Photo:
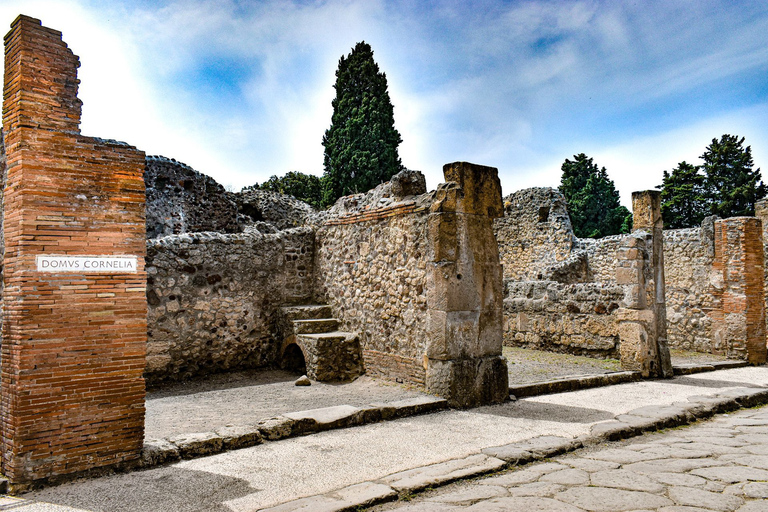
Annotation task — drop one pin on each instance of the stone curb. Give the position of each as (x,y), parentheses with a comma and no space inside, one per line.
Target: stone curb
(573,384)
(688,369)
(199,444)
(635,422)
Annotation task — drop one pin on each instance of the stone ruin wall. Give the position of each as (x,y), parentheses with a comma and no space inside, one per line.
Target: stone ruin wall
(560,292)
(370,261)
(688,259)
(563,300)
(213,299)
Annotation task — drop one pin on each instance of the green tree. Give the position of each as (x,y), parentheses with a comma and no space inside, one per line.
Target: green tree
(683,197)
(304,187)
(732,187)
(361,144)
(592,198)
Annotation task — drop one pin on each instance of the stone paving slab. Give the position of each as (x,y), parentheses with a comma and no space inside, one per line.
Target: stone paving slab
(639,475)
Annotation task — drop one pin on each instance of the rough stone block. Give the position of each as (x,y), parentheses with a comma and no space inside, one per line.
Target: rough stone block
(234,437)
(481,188)
(195,445)
(469,382)
(159,451)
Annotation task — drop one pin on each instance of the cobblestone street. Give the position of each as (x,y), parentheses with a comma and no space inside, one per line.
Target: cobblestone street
(719,465)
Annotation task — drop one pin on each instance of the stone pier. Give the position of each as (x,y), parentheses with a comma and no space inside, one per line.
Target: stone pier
(640,271)
(465,290)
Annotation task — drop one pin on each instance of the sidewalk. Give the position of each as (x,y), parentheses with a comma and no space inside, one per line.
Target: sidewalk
(272,473)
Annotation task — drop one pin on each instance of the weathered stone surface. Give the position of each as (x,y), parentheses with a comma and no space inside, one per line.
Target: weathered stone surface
(627,480)
(364,494)
(511,453)
(542,489)
(546,446)
(239,436)
(195,445)
(264,206)
(700,498)
(567,477)
(276,428)
(602,499)
(441,473)
(159,451)
(328,417)
(303,381)
(590,465)
(523,503)
(524,476)
(482,492)
(411,406)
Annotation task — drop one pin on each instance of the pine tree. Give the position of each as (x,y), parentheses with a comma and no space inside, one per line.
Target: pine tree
(361,144)
(592,198)
(683,198)
(732,187)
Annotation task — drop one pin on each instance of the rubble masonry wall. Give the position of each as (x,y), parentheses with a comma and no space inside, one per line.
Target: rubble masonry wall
(371,268)
(213,299)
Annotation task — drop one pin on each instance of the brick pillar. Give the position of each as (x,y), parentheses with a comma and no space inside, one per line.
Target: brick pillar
(74,308)
(464,289)
(740,260)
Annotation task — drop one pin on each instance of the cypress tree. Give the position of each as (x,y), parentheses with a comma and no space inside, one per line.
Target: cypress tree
(592,198)
(361,143)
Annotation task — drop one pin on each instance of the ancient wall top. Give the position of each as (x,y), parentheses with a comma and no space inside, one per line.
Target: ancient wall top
(32,98)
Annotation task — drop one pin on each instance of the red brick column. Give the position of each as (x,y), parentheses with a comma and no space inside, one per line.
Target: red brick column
(739,259)
(73,346)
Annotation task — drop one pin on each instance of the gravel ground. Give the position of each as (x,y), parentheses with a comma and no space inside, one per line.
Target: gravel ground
(244,398)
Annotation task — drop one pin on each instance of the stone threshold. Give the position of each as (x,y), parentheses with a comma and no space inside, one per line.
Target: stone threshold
(688,369)
(563,384)
(293,424)
(500,458)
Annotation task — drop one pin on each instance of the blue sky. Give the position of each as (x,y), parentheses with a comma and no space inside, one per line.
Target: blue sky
(241,90)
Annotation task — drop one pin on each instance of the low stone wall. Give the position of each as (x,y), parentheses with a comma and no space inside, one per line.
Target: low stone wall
(573,318)
(213,299)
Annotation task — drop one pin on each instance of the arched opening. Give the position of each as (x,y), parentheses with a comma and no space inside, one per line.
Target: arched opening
(293,360)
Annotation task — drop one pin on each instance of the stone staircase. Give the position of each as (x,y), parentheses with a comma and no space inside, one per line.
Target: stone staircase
(329,354)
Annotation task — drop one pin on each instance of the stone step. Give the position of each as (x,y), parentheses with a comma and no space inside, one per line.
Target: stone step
(315,326)
(307,312)
(330,336)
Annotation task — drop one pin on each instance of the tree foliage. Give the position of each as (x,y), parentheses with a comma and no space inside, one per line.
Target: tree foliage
(593,201)
(725,185)
(361,143)
(304,187)
(732,187)
(683,201)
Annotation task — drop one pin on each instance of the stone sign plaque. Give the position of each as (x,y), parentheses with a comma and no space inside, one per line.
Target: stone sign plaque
(81,264)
